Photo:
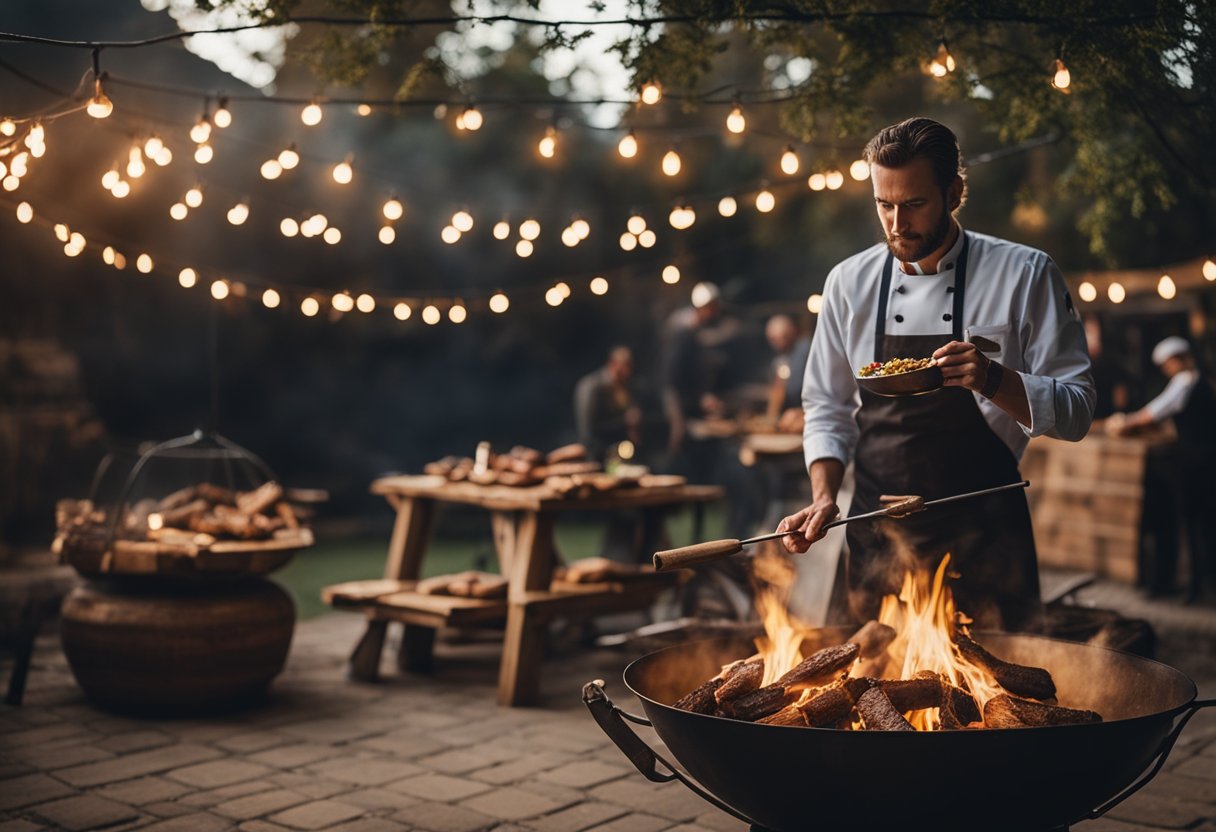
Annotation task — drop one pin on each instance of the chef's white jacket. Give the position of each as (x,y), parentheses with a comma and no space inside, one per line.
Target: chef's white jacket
(1014,296)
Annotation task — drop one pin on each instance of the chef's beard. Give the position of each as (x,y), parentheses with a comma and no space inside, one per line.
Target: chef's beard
(916,248)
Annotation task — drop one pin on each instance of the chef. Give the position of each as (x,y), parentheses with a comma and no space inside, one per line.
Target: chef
(997,318)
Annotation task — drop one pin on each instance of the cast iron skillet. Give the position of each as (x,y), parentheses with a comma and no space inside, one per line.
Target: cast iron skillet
(914,383)
(788,779)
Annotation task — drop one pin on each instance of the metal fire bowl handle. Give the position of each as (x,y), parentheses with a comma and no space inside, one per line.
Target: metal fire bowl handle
(1167,745)
(611,720)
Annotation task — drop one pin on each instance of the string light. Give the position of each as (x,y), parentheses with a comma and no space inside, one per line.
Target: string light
(524,248)
(332,236)
(647,238)
(499,303)
(1062,77)
(163,156)
(121,189)
(1116,292)
(554,296)
(25,212)
(817,181)
(502,230)
(201,131)
(238,213)
(1087,292)
(153,146)
(219,289)
(1166,287)
(599,286)
(271,299)
(120,262)
(462,221)
(393,209)
(289,227)
(343,302)
(271,169)
(470,120)
(61,232)
(222,117)
(107,255)
(765,201)
(860,170)
(628,242)
(178,211)
(365,303)
(289,157)
(387,235)
(529,229)
(402,311)
(110,178)
(652,92)
(671,275)
(735,122)
(671,162)
(834,179)
(1209,269)
(343,172)
(547,146)
(789,161)
(681,217)
(431,315)
(727,206)
(310,307)
(311,115)
(203,153)
(450,234)
(457,313)
(194,197)
(628,146)
(143,264)
(570,237)
(7,127)
(364,110)
(100,105)
(581,227)
(636,224)
(943,61)
(135,163)
(814,304)
(187,278)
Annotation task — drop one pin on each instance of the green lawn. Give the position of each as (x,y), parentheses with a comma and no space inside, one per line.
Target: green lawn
(350,558)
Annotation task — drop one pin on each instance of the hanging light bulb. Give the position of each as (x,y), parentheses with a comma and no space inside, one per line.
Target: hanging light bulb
(636,224)
(271,169)
(364,110)
(194,197)
(332,235)
(671,162)
(61,232)
(110,178)
(219,289)
(789,161)
(343,172)
(178,211)
(834,179)
(1209,269)
(814,304)
(402,311)
(387,235)
(471,118)
(581,227)
(289,157)
(628,242)
(1062,77)
(18,167)
(25,212)
(599,286)
(860,170)
(187,278)
(8,127)
(120,261)
(547,146)
(735,122)
(765,201)
(681,217)
(393,209)
(100,105)
(727,206)
(163,157)
(143,264)
(647,238)
(817,181)
(11,183)
(222,117)
(289,227)
(135,163)
(499,303)
(457,313)
(238,213)
(943,61)
(462,221)
(529,229)
(365,303)
(153,146)
(431,314)
(502,230)
(563,287)
(554,296)
(1087,292)
(1116,292)
(311,115)
(671,275)
(343,302)
(570,237)
(628,146)
(450,234)
(201,131)
(652,92)
(203,153)
(271,299)
(121,189)
(310,307)
(1166,287)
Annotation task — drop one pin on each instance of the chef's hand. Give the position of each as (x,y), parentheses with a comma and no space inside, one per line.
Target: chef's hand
(807,525)
(962,365)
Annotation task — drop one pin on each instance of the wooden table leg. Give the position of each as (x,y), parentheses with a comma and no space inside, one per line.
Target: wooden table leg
(417,653)
(365,661)
(411,532)
(524,642)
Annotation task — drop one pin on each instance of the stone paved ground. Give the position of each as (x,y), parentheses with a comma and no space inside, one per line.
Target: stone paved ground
(411,753)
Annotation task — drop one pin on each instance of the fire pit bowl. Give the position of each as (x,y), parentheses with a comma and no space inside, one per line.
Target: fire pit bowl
(785,778)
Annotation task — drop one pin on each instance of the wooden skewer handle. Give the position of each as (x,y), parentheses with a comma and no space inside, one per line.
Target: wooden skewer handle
(697,553)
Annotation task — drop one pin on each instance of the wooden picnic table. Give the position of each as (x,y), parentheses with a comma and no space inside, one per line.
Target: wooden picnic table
(522,522)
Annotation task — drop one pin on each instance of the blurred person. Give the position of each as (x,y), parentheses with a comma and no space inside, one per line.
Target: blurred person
(1178,483)
(687,370)
(1110,379)
(790,351)
(605,409)
(998,320)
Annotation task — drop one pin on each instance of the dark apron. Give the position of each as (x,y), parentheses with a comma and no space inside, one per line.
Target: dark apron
(936,445)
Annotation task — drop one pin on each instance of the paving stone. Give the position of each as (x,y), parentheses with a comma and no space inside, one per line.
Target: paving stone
(339,729)
(511,804)
(376,825)
(20,825)
(376,799)
(441,817)
(135,765)
(260,804)
(144,790)
(85,812)
(579,817)
(1161,812)
(169,809)
(652,798)
(1200,766)
(584,774)
(317,815)
(9,770)
(294,756)
(252,741)
(46,734)
(28,790)
(367,771)
(439,787)
(315,787)
(576,743)
(527,765)
(195,822)
(405,742)
(49,758)
(635,822)
(134,741)
(721,822)
(688,827)
(1106,825)
(261,826)
(219,773)
(464,760)
(211,797)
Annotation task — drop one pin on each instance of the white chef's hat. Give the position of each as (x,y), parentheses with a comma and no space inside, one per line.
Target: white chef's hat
(705,293)
(1169,348)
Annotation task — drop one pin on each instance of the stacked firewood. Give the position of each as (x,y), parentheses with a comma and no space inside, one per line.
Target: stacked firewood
(823,691)
(520,466)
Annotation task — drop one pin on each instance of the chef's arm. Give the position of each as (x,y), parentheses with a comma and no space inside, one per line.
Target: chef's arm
(1010,396)
(826,476)
(806,526)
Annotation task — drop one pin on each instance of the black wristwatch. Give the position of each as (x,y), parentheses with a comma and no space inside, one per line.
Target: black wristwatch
(992,381)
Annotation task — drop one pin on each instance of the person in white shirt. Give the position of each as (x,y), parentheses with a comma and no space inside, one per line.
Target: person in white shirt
(997,318)
(1173,356)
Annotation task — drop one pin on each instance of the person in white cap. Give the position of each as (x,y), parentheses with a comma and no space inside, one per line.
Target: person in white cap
(1173,356)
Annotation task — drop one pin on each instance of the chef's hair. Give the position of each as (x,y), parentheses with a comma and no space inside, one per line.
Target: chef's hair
(916,138)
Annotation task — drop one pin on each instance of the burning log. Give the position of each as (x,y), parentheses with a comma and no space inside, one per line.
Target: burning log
(873,639)
(701,700)
(791,716)
(923,691)
(757,704)
(1007,711)
(819,667)
(828,708)
(879,714)
(1034,682)
(962,704)
(740,680)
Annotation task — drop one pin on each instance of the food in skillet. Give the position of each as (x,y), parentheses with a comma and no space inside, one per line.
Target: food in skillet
(894,367)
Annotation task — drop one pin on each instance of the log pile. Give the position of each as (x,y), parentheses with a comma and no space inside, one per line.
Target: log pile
(830,689)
